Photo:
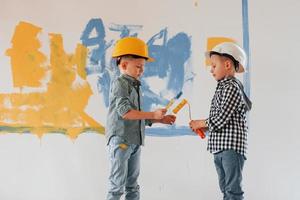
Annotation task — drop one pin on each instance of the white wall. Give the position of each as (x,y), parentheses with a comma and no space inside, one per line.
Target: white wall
(273,168)
(57,168)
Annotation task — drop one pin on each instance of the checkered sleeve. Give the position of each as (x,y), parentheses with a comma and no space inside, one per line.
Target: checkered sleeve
(230,100)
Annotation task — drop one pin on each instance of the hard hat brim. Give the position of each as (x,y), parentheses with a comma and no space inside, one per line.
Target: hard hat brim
(149,59)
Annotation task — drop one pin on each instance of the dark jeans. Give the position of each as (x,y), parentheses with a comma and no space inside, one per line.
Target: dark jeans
(229,165)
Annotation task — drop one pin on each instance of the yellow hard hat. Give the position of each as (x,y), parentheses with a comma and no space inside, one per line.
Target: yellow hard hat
(131,46)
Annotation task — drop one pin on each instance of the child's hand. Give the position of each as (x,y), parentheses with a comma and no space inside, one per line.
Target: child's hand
(168,119)
(159,113)
(197,124)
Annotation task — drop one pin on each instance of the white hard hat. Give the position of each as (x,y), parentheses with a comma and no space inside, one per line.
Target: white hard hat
(231,50)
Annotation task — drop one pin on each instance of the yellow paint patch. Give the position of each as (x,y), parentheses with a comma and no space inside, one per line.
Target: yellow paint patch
(123,146)
(26,60)
(212,42)
(80,60)
(61,107)
(73,133)
(39,131)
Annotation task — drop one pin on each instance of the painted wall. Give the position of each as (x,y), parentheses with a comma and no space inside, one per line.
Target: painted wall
(55,74)
(57,86)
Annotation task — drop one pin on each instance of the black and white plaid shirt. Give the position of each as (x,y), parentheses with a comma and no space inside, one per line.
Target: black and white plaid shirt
(227,119)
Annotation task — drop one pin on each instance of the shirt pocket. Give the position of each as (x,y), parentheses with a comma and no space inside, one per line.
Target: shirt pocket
(116,140)
(117,148)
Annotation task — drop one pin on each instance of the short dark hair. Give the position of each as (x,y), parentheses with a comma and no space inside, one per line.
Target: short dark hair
(118,60)
(235,62)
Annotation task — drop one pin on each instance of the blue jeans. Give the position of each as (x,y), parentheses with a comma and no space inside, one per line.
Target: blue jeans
(124,169)
(229,165)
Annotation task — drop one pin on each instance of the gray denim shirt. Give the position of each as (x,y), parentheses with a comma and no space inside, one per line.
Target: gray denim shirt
(125,95)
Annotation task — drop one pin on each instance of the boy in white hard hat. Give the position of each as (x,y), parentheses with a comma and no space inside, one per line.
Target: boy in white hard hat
(126,120)
(226,123)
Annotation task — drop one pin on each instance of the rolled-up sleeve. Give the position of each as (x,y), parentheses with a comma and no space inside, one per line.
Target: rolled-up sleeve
(123,106)
(121,94)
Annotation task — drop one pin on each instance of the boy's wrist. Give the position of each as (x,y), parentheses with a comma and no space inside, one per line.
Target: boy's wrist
(152,116)
(202,123)
(154,121)
(206,122)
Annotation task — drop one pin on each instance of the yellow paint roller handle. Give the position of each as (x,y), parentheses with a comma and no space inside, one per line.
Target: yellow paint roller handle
(179,106)
(170,104)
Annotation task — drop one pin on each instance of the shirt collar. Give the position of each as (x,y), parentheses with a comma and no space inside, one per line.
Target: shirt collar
(131,80)
(225,80)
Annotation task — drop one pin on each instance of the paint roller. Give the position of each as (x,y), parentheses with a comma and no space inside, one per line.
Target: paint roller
(179,107)
(173,100)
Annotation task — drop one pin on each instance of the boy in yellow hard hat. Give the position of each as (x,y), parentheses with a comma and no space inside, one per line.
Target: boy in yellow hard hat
(126,120)
(226,123)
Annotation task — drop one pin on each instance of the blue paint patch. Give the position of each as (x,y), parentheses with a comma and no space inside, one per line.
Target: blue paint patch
(246,46)
(170,57)
(179,51)
(169,131)
(96,59)
(126,30)
(98,53)
(159,53)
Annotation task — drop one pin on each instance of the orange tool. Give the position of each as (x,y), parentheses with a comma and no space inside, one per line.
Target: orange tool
(179,106)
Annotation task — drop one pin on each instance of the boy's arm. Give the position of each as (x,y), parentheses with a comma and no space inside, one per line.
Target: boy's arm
(125,108)
(136,114)
(167,119)
(231,99)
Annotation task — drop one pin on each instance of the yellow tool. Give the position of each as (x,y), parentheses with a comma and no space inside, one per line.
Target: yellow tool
(179,107)
(173,100)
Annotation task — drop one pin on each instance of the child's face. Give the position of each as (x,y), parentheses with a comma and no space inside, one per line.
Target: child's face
(133,67)
(218,67)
